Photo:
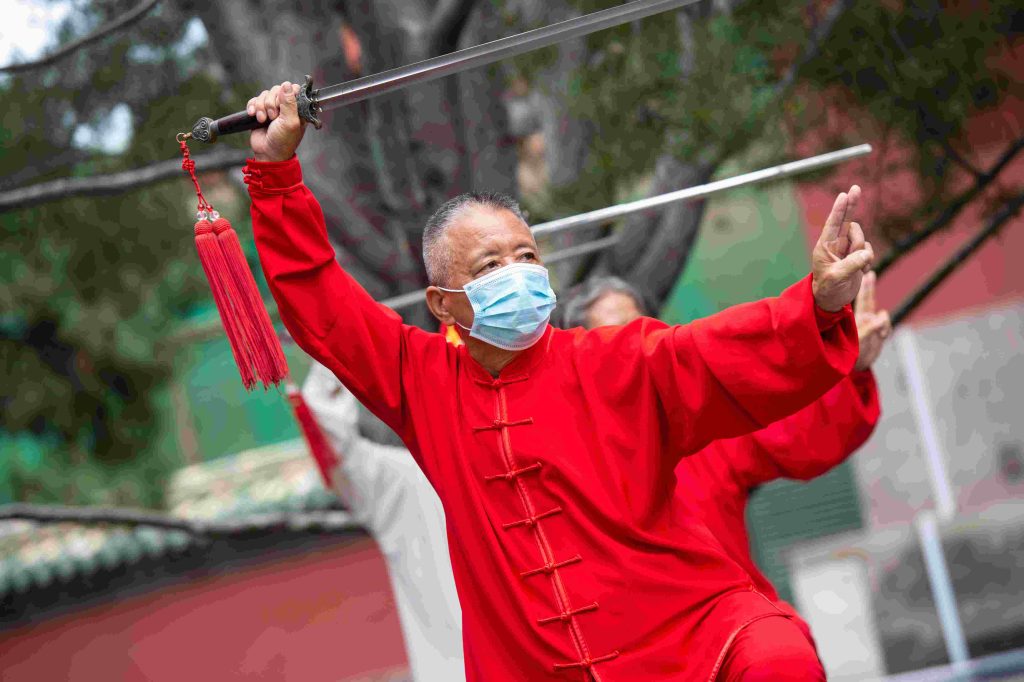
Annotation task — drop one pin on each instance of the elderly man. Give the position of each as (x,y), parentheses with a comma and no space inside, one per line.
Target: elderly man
(553,451)
(716,483)
(389,495)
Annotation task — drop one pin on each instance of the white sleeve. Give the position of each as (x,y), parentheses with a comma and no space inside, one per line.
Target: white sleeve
(387,493)
(371,479)
(336,410)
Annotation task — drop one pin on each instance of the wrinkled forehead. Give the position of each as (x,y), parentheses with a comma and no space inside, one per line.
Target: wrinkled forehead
(482,231)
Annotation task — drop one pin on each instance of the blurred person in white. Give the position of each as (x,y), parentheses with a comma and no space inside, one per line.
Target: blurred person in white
(387,493)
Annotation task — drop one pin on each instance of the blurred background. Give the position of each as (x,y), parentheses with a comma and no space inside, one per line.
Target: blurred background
(118,391)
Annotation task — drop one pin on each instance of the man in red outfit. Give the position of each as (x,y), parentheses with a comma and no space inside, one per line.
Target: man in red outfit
(553,451)
(715,484)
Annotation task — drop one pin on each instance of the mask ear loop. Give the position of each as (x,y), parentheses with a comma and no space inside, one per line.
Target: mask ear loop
(457,291)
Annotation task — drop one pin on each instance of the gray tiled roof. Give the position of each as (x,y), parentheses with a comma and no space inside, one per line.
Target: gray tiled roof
(271,489)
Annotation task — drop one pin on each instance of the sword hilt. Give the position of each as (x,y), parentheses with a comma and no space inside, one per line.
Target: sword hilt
(208,130)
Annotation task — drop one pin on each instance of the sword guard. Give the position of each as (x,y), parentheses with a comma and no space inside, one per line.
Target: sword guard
(309,107)
(208,130)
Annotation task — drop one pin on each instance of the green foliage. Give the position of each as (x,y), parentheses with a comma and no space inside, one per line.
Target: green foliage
(91,288)
(645,93)
(914,72)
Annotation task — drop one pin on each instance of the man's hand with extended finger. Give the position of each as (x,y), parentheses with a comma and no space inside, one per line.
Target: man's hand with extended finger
(841,256)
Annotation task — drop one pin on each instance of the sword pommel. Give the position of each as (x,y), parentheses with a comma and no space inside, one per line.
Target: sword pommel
(205,130)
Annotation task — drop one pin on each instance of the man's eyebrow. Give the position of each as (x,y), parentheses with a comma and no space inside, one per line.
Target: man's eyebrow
(489,253)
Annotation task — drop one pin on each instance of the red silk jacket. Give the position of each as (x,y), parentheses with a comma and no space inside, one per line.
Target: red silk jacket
(571,558)
(715,484)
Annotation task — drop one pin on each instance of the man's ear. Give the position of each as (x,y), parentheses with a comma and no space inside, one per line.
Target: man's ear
(436,303)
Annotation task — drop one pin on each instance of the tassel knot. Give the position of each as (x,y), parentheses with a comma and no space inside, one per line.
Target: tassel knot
(254,343)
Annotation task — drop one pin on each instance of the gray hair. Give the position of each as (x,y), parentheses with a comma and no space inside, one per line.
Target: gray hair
(436,258)
(582,296)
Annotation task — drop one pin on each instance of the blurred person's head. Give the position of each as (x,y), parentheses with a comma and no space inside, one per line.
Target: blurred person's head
(603,301)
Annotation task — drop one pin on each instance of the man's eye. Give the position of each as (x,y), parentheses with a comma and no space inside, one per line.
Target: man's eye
(529,255)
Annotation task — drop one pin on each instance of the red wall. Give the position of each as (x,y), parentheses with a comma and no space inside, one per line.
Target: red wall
(328,615)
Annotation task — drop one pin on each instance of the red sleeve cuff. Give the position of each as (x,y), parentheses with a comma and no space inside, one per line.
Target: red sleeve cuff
(272,177)
(864,377)
(864,383)
(867,390)
(826,320)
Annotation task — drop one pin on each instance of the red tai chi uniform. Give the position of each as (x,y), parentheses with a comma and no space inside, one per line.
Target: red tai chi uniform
(716,483)
(571,557)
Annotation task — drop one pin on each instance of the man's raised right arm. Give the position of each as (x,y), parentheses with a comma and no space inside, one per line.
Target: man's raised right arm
(328,314)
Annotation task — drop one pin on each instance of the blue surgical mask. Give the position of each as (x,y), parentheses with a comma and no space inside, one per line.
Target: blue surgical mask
(511,306)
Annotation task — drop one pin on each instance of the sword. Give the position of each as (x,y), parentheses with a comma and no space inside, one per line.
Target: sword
(312,101)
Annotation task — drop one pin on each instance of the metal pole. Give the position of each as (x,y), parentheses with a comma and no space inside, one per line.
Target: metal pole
(582,249)
(701,191)
(413,297)
(917,387)
(927,521)
(942,588)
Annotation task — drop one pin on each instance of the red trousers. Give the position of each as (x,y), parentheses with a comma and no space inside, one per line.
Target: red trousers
(772,649)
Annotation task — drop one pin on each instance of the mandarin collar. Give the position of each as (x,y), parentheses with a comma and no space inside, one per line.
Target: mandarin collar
(518,369)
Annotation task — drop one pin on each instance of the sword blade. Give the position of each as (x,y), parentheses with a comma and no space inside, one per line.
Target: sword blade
(359,89)
(311,101)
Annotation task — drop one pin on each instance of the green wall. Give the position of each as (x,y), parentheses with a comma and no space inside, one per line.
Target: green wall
(225,419)
(751,245)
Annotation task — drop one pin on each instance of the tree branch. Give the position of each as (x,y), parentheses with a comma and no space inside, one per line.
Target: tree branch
(957,158)
(819,33)
(446,22)
(908,243)
(928,118)
(106,29)
(65,158)
(116,183)
(323,520)
(957,259)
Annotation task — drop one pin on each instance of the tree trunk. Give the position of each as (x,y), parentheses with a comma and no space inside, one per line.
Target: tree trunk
(655,245)
(380,167)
